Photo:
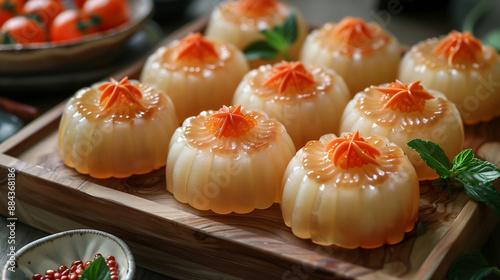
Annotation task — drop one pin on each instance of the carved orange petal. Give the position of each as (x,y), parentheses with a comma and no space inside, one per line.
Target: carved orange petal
(257,7)
(405,98)
(351,151)
(353,32)
(459,46)
(230,122)
(113,91)
(194,46)
(285,73)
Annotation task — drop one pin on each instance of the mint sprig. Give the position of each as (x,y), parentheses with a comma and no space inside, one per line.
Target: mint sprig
(97,270)
(471,266)
(473,174)
(278,41)
(477,12)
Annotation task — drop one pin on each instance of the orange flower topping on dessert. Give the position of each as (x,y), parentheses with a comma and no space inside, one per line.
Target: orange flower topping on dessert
(257,7)
(459,46)
(353,32)
(115,91)
(405,98)
(351,151)
(230,122)
(286,73)
(194,46)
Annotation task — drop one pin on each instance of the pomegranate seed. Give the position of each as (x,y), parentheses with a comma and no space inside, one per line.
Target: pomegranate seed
(111,263)
(76,270)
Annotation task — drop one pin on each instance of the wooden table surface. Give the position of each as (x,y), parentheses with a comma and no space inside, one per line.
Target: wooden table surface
(406,23)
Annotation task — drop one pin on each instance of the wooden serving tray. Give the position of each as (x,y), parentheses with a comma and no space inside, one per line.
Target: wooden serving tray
(174,239)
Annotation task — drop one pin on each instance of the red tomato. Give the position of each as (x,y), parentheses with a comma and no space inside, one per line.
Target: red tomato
(79,4)
(111,12)
(10,8)
(71,25)
(44,10)
(23,30)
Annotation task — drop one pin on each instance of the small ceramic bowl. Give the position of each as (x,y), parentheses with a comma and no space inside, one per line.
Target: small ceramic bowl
(63,248)
(95,51)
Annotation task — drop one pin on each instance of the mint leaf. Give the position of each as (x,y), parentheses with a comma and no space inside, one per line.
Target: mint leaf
(275,40)
(432,155)
(473,174)
(478,172)
(486,193)
(462,159)
(97,270)
(493,39)
(260,49)
(278,40)
(471,266)
(289,30)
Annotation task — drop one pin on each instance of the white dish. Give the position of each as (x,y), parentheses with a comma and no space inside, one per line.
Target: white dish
(63,248)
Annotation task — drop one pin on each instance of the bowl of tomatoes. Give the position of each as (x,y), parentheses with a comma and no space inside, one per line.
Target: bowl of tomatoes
(59,35)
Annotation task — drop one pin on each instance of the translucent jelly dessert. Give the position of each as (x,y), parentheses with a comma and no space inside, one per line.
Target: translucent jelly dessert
(116,129)
(197,73)
(362,53)
(351,192)
(462,68)
(240,23)
(402,112)
(307,99)
(230,160)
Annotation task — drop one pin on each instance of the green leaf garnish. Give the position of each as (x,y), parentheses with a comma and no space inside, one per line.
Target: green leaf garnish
(478,12)
(487,194)
(473,174)
(432,155)
(97,270)
(278,41)
(478,172)
(493,39)
(471,266)
(290,29)
(463,158)
(260,49)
